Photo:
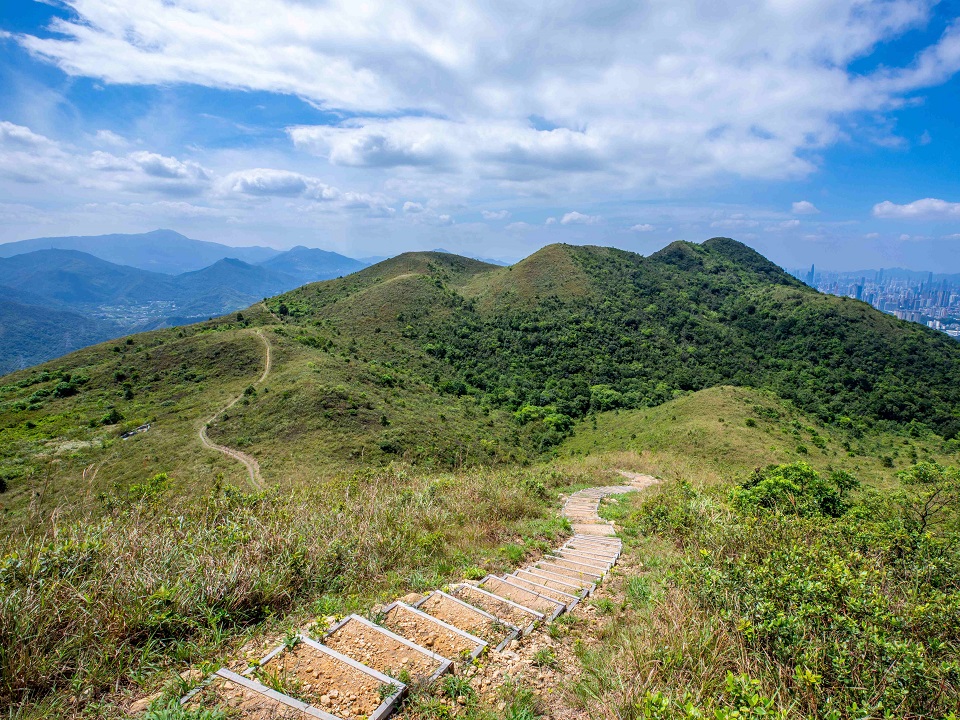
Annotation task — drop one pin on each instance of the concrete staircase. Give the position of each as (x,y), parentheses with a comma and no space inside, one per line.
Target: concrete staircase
(359,669)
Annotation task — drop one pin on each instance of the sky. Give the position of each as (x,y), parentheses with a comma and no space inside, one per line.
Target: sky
(816,131)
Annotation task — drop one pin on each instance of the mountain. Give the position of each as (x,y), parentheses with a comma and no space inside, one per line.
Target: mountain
(162,251)
(30,334)
(75,278)
(311,264)
(433,358)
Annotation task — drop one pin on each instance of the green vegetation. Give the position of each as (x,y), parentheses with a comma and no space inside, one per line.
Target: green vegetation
(400,433)
(791,594)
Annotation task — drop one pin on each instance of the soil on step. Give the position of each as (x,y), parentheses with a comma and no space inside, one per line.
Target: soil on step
(527,598)
(475,623)
(428,634)
(381,652)
(324,682)
(237,701)
(498,608)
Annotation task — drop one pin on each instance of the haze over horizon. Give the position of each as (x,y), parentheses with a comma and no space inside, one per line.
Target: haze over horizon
(815,132)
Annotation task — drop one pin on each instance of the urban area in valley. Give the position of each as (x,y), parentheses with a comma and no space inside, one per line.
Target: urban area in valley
(922,297)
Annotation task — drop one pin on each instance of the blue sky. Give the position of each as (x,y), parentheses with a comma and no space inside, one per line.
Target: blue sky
(818,131)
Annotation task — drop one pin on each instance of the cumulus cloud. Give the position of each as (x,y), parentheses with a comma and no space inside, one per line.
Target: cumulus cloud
(412,207)
(495,214)
(577,218)
(643,227)
(519,226)
(785,225)
(804,207)
(752,88)
(550,221)
(926,208)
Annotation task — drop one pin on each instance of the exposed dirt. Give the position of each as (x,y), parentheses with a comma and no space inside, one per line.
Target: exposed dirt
(253,467)
(428,634)
(239,702)
(527,598)
(548,588)
(497,608)
(474,622)
(381,652)
(576,565)
(583,579)
(324,682)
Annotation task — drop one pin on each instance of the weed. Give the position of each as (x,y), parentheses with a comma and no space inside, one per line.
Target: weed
(173,710)
(604,606)
(638,591)
(455,687)
(545,657)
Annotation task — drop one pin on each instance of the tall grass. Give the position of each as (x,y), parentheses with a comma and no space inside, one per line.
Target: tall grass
(156,581)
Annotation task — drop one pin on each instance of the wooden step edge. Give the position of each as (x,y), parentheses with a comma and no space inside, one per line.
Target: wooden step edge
(602,567)
(559,607)
(572,586)
(385,707)
(560,569)
(584,584)
(473,608)
(609,560)
(445,663)
(262,689)
(537,615)
(481,644)
(569,600)
(598,539)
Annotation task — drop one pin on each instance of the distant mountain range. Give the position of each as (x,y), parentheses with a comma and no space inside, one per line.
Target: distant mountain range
(61,294)
(163,251)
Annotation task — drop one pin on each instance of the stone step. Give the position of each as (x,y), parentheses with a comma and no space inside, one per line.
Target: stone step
(434,634)
(566,594)
(574,582)
(550,608)
(383,650)
(328,681)
(558,569)
(464,615)
(514,613)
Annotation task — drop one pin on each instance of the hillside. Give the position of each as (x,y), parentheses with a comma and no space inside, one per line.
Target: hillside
(435,359)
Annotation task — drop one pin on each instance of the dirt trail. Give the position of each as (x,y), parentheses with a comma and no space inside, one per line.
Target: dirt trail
(253,467)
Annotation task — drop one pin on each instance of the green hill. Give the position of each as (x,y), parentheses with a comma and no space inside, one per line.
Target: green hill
(436,359)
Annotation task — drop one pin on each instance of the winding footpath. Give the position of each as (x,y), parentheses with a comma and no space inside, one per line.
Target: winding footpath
(358,668)
(253,467)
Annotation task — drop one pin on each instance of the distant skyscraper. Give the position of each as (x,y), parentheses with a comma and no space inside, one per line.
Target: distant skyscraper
(811,276)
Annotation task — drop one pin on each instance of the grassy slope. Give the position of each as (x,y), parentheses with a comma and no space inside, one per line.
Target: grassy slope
(709,434)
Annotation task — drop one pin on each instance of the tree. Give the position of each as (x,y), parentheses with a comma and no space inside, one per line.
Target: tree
(932,496)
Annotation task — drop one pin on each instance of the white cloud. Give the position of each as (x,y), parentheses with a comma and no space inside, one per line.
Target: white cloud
(871,236)
(412,207)
(954,236)
(749,90)
(519,226)
(918,209)
(577,218)
(785,225)
(643,227)
(804,207)
(108,137)
(550,221)
(738,221)
(495,214)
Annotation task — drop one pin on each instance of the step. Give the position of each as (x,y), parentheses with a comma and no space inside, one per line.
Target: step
(545,587)
(432,633)
(249,699)
(329,681)
(596,529)
(614,541)
(578,565)
(466,616)
(558,569)
(383,650)
(563,586)
(588,557)
(587,548)
(546,575)
(540,603)
(514,613)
